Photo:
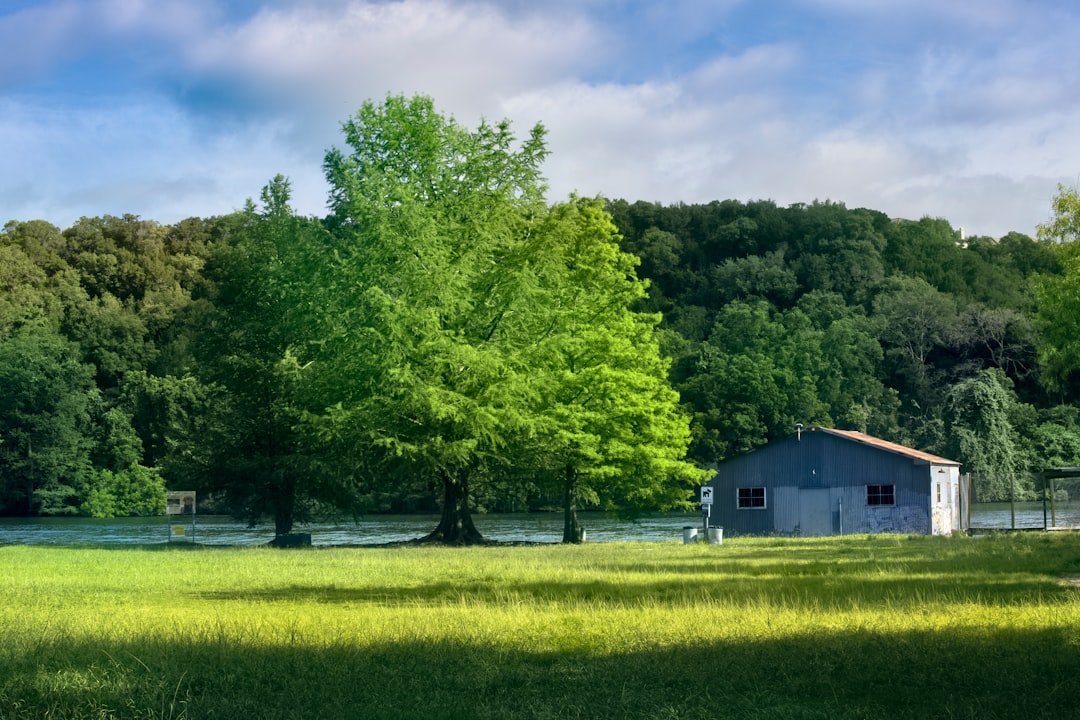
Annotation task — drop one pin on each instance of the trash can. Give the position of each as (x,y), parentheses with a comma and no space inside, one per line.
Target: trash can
(689,535)
(716,536)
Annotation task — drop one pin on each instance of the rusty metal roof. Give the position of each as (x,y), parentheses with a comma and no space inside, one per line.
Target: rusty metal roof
(886,445)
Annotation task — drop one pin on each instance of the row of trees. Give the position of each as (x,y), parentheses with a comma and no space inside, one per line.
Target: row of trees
(447,338)
(444,330)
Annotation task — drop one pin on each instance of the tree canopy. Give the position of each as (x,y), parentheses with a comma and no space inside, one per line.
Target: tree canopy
(448,339)
(463,309)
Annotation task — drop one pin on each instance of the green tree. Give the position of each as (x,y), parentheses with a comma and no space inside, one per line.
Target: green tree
(1058,299)
(259,350)
(35,281)
(836,249)
(1064,226)
(432,287)
(928,249)
(982,437)
(849,381)
(46,400)
(756,376)
(120,484)
(1049,437)
(612,426)
(997,337)
(767,277)
(915,321)
(483,333)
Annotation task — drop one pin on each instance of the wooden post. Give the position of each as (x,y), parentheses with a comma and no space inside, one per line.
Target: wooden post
(1012,500)
(1053,508)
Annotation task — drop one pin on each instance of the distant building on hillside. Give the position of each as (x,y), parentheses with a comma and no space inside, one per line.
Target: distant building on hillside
(821,481)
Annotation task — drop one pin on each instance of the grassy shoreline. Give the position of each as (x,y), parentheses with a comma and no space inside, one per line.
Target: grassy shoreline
(856,627)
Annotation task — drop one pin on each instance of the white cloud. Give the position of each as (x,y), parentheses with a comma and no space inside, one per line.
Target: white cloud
(468,56)
(141,157)
(39,39)
(970,115)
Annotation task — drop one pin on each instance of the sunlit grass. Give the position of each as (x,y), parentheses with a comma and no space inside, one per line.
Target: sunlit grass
(884,626)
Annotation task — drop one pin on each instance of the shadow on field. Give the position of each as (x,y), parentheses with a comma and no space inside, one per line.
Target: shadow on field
(807,592)
(986,674)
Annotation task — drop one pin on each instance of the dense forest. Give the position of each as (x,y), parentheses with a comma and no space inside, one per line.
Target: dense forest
(447,338)
(961,346)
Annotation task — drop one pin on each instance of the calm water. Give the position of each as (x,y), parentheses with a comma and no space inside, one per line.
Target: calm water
(377,529)
(994,516)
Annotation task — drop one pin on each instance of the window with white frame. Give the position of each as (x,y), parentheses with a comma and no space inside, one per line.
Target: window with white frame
(751,498)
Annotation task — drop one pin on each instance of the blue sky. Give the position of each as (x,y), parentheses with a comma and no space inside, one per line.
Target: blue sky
(166,109)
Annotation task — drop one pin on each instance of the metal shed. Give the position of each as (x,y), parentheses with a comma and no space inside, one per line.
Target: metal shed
(821,481)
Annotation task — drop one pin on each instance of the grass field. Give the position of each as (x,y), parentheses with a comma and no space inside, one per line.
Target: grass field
(856,627)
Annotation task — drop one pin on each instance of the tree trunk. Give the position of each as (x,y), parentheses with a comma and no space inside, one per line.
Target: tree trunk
(572,532)
(456,525)
(29,477)
(284,506)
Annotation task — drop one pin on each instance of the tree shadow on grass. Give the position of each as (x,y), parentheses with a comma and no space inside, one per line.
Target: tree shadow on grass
(966,673)
(808,591)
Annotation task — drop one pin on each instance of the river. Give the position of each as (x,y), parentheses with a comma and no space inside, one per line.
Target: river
(369,530)
(381,529)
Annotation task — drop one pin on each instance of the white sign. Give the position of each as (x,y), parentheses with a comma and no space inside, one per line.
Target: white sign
(706,494)
(180,502)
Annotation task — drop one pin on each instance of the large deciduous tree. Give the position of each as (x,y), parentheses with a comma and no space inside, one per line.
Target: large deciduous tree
(1058,299)
(47,397)
(755,377)
(612,426)
(258,351)
(432,222)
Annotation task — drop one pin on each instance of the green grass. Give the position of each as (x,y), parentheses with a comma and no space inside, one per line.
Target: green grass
(857,627)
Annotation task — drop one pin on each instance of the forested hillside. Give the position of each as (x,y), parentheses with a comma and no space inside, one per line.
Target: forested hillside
(446,337)
(903,329)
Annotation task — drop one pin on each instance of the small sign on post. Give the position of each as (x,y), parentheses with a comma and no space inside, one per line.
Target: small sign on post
(706,506)
(180,502)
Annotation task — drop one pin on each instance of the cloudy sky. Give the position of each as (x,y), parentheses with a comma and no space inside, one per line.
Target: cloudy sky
(166,109)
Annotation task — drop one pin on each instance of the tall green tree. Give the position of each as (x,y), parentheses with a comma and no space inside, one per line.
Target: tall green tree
(612,427)
(431,284)
(258,351)
(928,249)
(35,281)
(849,381)
(120,484)
(982,437)
(914,323)
(1058,299)
(836,249)
(47,398)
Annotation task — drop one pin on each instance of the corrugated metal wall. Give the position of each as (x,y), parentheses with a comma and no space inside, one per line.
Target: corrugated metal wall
(816,485)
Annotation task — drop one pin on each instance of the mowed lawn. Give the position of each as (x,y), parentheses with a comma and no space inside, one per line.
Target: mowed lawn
(854,627)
